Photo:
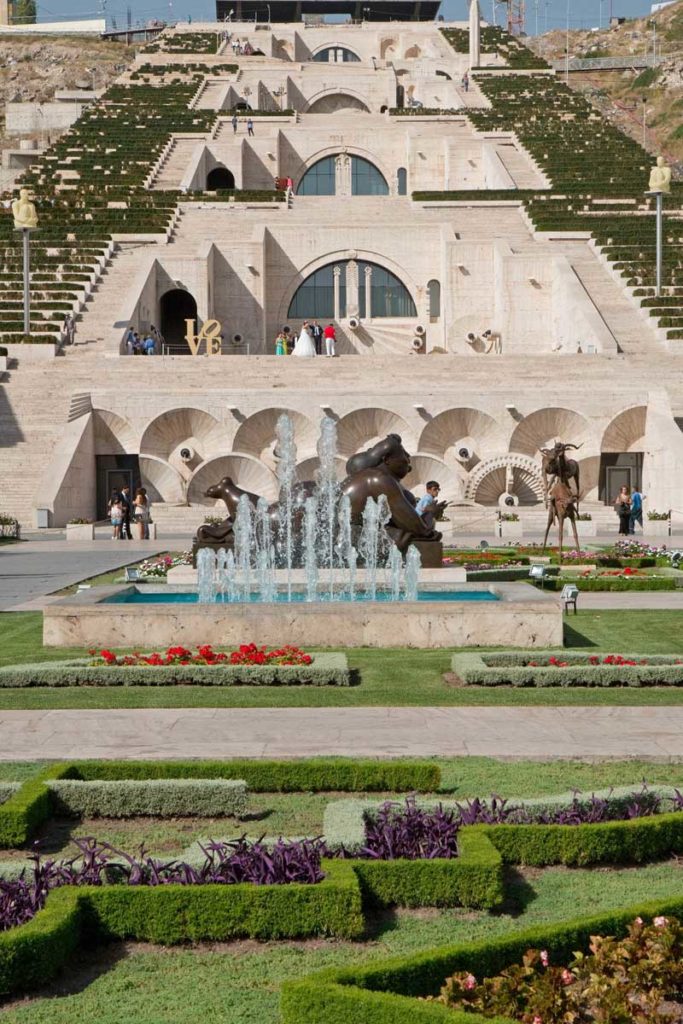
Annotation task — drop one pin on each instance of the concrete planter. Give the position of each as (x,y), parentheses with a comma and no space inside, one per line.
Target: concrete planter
(510,529)
(80,531)
(656,527)
(586,528)
(32,353)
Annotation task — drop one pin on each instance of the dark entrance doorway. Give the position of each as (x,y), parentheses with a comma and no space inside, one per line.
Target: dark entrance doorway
(619,469)
(175,308)
(219,177)
(112,473)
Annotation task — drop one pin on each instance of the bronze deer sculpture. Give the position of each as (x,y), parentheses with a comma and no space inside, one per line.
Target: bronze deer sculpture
(560,499)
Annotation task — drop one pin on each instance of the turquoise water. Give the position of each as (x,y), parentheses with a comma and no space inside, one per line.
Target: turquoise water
(190,597)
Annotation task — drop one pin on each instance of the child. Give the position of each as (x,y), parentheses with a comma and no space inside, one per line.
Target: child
(116,514)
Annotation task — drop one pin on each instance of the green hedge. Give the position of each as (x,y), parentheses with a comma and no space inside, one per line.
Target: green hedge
(326,670)
(491,670)
(472,879)
(29,807)
(33,953)
(165,798)
(385,991)
(614,583)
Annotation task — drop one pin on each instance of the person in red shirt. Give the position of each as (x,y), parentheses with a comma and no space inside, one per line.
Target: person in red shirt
(330,337)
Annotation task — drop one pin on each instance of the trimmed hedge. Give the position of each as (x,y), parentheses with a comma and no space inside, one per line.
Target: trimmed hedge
(385,992)
(33,953)
(508,670)
(326,670)
(472,879)
(165,798)
(32,804)
(607,584)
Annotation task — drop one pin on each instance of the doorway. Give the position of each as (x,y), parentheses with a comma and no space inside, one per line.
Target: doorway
(112,473)
(617,477)
(175,308)
(219,178)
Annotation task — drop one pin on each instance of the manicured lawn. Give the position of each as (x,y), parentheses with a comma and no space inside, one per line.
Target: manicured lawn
(390,677)
(238,983)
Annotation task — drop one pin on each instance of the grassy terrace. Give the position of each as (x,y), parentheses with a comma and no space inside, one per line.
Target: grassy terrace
(389,677)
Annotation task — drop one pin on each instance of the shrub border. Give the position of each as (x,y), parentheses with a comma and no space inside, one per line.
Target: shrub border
(384,992)
(30,805)
(474,670)
(327,669)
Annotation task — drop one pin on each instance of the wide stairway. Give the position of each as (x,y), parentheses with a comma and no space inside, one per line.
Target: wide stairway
(172,169)
(98,329)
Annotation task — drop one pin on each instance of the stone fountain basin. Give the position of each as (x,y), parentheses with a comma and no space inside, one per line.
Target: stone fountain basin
(520,617)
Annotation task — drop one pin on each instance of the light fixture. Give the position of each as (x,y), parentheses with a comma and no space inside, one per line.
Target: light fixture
(419,407)
(326,408)
(251,267)
(534,283)
(234,409)
(511,407)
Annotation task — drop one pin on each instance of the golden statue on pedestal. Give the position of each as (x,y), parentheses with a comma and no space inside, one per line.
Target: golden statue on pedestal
(24,211)
(660,177)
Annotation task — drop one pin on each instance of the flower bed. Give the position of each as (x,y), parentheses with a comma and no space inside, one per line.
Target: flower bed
(617,980)
(393,991)
(615,580)
(157,568)
(246,654)
(325,669)
(566,669)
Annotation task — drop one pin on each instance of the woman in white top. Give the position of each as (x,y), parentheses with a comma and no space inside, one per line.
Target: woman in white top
(305,346)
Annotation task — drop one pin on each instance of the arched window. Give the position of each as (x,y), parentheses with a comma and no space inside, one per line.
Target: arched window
(434,290)
(321,179)
(335,55)
(366,180)
(314,299)
(402,181)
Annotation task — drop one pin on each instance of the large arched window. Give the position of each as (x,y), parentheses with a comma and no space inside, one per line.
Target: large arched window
(325,179)
(335,55)
(315,298)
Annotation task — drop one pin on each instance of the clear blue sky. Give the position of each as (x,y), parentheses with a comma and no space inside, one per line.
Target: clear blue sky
(551,13)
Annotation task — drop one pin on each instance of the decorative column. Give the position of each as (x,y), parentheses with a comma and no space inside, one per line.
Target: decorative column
(475,37)
(368,293)
(352,289)
(336,272)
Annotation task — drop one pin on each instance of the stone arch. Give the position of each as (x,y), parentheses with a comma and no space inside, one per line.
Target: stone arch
(358,151)
(248,473)
(543,427)
(362,428)
(490,479)
(465,427)
(175,307)
(341,256)
(189,427)
(330,101)
(163,482)
(412,52)
(219,177)
(626,431)
(256,437)
(335,46)
(113,434)
(387,49)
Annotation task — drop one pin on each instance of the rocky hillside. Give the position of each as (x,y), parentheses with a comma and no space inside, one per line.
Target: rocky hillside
(633,97)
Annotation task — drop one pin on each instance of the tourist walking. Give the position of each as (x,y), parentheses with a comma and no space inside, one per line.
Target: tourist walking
(68,330)
(127,511)
(636,514)
(140,512)
(466,82)
(304,346)
(622,505)
(250,127)
(234,124)
(330,336)
(115,513)
(317,333)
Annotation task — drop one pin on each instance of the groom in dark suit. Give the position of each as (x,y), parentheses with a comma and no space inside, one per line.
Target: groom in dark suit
(127,506)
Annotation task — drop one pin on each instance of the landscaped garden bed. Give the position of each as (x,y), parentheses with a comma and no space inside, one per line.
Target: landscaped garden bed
(569,668)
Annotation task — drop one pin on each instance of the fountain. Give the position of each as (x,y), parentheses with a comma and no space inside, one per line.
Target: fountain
(329,564)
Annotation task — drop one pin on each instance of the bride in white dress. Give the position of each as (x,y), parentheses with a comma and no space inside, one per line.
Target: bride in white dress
(305,346)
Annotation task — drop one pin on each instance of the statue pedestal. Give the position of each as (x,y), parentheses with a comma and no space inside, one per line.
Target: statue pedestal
(431,553)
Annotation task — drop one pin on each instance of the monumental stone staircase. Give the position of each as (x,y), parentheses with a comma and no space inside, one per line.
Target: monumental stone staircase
(96,330)
(174,164)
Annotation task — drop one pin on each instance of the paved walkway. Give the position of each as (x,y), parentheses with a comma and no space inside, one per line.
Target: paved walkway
(652,733)
(33,569)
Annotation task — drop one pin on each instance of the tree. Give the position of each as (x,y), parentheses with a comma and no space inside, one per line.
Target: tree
(24,12)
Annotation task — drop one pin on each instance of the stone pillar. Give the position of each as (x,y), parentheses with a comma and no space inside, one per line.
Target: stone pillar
(475,44)
(4,12)
(352,289)
(368,293)
(337,303)
(342,174)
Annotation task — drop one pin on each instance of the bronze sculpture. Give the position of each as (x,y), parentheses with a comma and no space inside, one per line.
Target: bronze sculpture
(376,471)
(562,501)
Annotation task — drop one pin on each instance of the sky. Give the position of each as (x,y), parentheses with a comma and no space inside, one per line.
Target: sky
(540,14)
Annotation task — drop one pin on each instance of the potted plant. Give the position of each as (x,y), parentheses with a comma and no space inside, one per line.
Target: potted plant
(658,523)
(585,525)
(509,524)
(80,529)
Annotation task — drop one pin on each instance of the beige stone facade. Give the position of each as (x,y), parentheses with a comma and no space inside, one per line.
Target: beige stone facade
(513,338)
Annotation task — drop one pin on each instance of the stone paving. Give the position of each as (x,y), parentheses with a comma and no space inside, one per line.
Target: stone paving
(652,733)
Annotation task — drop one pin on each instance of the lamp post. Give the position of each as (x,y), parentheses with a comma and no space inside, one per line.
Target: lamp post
(25,220)
(660,182)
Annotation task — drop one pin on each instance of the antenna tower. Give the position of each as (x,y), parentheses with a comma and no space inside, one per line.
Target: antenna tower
(516,16)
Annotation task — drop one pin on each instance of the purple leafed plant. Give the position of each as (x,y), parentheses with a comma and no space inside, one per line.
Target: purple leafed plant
(408,831)
(241,860)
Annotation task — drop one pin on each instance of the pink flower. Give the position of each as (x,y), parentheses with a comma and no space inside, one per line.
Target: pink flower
(545,959)
(660,922)
(638,920)
(470,982)
(538,1020)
